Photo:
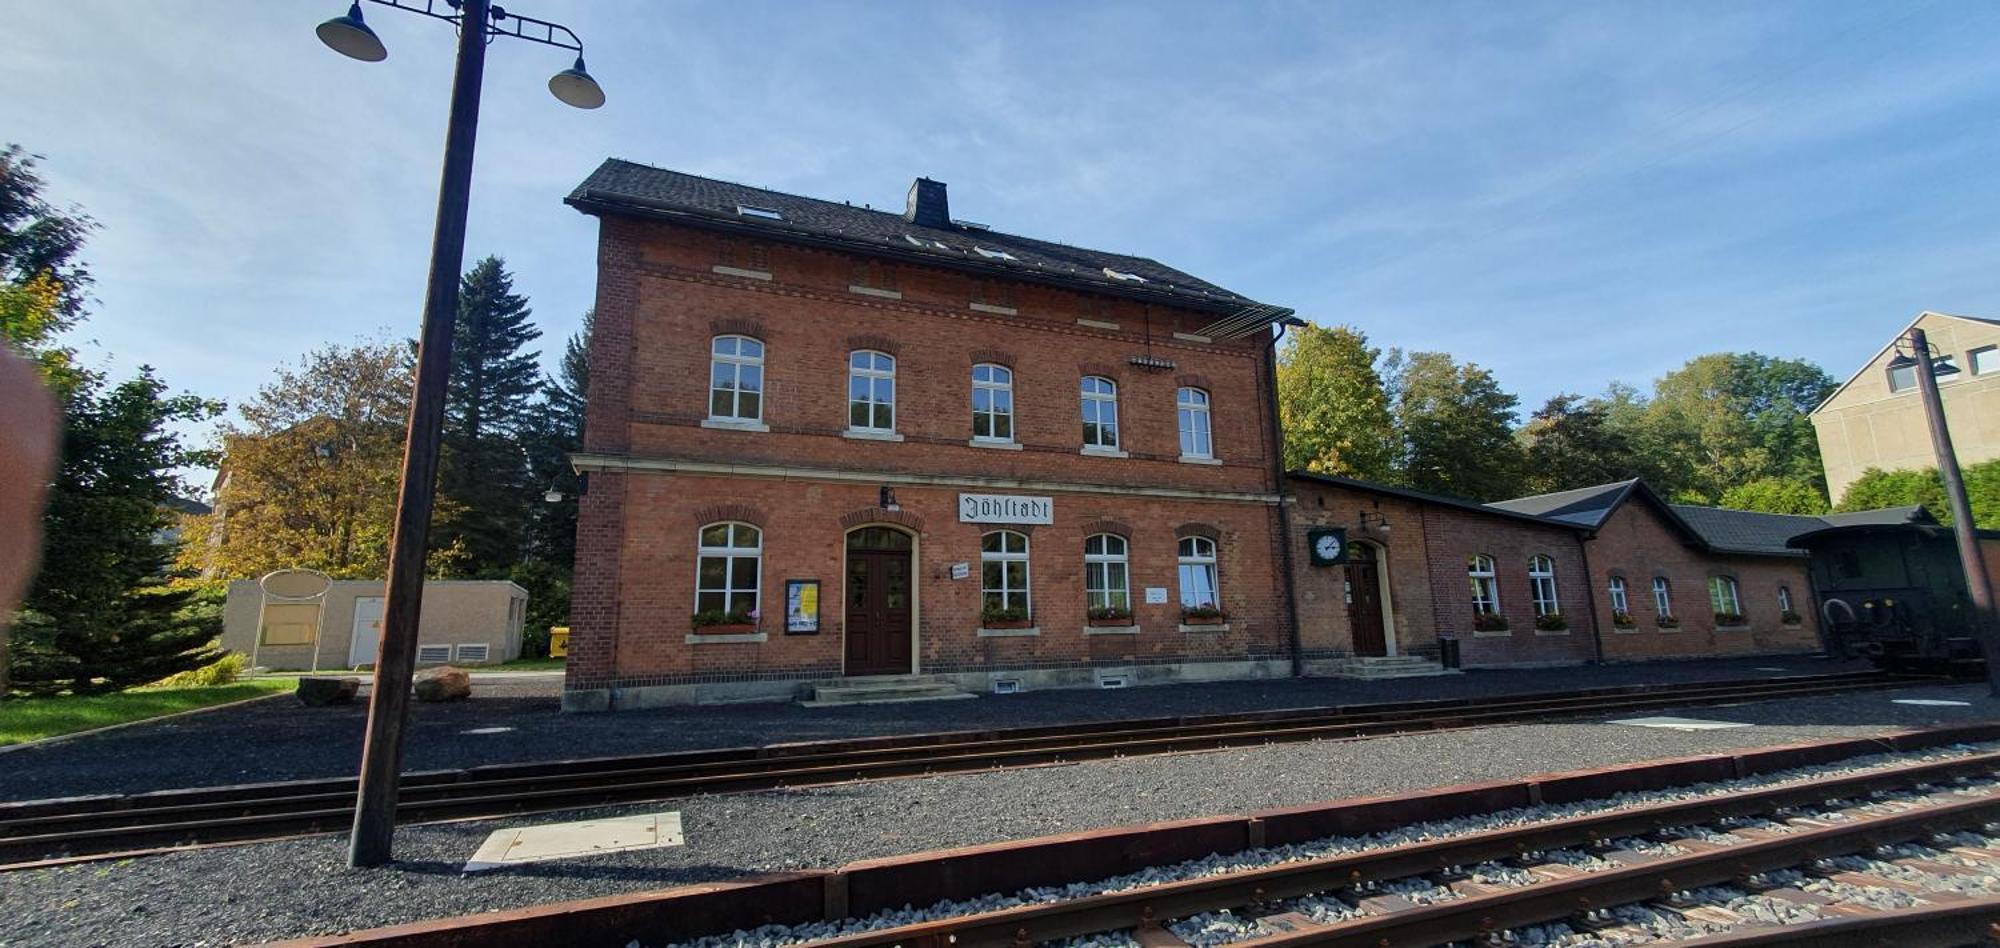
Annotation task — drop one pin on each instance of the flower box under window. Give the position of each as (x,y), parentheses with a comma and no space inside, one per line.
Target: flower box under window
(1623,620)
(1009,618)
(1109,616)
(1730,620)
(1792,619)
(718,622)
(1552,622)
(1489,622)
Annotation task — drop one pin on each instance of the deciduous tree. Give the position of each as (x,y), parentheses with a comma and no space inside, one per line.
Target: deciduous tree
(1736,418)
(1570,442)
(1333,406)
(1457,427)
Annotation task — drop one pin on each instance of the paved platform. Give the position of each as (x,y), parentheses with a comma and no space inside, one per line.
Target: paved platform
(517,718)
(301,887)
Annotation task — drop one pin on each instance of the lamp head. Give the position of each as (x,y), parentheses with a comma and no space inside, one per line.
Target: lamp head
(553,496)
(1903,360)
(1942,367)
(575,87)
(350,36)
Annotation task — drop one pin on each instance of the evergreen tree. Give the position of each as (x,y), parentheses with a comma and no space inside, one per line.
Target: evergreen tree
(551,546)
(1569,443)
(489,411)
(1457,427)
(1333,407)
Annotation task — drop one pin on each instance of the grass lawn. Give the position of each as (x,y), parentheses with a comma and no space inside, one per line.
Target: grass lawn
(29,719)
(532,664)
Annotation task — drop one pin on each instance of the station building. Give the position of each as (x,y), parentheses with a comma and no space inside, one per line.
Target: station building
(828,441)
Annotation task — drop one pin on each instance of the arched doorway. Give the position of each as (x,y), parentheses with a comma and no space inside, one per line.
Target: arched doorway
(1368,611)
(880,606)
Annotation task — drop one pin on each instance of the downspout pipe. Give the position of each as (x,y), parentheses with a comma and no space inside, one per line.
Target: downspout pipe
(1281,483)
(1590,592)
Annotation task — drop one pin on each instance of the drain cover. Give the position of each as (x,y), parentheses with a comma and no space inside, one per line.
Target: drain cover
(510,847)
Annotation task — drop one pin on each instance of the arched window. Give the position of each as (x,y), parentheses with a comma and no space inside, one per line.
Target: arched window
(1620,604)
(1191,405)
(871,391)
(1003,570)
(1106,572)
(1485,589)
(730,562)
(1722,595)
(736,379)
(1197,573)
(1100,413)
(1542,585)
(1663,597)
(992,403)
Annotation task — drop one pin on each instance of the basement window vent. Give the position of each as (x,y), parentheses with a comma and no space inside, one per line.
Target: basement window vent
(473,653)
(1122,275)
(1006,686)
(1113,681)
(433,654)
(992,254)
(762,213)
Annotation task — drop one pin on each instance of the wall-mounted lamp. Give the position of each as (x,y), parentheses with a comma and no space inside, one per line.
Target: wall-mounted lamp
(1375,521)
(888,499)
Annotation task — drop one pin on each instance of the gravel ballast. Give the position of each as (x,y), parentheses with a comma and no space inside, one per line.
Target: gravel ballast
(301,887)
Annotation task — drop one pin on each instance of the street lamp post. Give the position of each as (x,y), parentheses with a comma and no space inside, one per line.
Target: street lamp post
(395,657)
(1970,557)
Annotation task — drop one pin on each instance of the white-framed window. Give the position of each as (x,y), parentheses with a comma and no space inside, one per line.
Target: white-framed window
(730,566)
(1542,585)
(1722,595)
(1106,573)
(1619,601)
(871,390)
(1191,404)
(736,379)
(1663,596)
(1197,573)
(1902,378)
(1485,586)
(992,402)
(1784,600)
(1984,360)
(1003,570)
(1100,412)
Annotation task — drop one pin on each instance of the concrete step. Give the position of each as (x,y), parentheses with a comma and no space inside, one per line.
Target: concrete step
(884,689)
(1400,666)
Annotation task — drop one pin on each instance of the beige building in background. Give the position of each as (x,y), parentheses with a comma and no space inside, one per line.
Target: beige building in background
(1876,418)
(465,622)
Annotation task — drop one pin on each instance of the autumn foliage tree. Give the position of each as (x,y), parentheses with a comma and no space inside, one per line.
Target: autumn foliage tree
(1333,407)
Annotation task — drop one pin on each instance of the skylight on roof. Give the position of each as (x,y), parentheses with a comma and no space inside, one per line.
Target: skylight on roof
(1122,275)
(992,254)
(765,213)
(927,244)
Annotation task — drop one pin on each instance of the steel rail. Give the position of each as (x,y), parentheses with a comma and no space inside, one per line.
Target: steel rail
(1157,904)
(89,826)
(1933,926)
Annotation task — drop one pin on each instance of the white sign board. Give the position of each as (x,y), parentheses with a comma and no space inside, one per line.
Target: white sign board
(1156,594)
(961,570)
(1005,508)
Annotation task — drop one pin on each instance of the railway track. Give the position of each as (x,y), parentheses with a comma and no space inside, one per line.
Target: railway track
(36,832)
(1906,855)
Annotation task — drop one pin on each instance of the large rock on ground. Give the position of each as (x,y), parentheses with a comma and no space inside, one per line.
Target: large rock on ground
(318,692)
(443,684)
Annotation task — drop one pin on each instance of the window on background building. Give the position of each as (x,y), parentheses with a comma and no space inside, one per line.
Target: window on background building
(992,403)
(1784,600)
(1192,406)
(731,558)
(1003,570)
(1663,596)
(871,391)
(736,379)
(1197,573)
(1485,588)
(1984,361)
(1902,378)
(1100,412)
(1722,595)
(1619,601)
(1105,573)
(1542,585)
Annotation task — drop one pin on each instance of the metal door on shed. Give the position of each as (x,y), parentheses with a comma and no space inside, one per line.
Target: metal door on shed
(367,631)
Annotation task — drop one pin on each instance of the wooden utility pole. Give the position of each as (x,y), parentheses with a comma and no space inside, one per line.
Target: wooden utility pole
(1970,557)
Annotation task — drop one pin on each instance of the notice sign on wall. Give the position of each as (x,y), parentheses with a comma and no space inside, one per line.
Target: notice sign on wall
(801,606)
(1005,508)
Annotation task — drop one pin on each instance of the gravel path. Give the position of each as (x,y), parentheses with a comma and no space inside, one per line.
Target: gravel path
(279,740)
(301,887)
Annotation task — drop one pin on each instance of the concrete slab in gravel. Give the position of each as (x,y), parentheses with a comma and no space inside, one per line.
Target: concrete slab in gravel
(1678,724)
(279,740)
(302,887)
(524,844)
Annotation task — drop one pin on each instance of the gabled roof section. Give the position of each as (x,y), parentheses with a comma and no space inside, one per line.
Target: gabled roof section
(1442,500)
(1583,505)
(1879,353)
(1747,531)
(631,189)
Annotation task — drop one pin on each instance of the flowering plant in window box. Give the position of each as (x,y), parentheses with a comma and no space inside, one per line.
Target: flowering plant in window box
(721,622)
(1730,618)
(1668,622)
(1489,622)
(1110,615)
(1791,618)
(1552,622)
(1004,617)
(1204,614)
(1623,620)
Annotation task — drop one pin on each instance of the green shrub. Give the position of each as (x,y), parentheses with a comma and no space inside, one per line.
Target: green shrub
(222,671)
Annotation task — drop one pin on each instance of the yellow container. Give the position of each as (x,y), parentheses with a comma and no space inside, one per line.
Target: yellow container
(558,641)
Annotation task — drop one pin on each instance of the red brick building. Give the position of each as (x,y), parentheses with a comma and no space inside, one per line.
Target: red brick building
(829,441)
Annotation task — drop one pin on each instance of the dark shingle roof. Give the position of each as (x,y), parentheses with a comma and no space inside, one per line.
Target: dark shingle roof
(1584,505)
(1719,529)
(1444,500)
(625,187)
(1747,531)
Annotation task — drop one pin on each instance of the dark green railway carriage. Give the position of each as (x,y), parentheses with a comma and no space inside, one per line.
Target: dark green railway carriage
(1890,588)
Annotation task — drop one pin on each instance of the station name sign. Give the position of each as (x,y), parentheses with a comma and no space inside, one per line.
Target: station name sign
(1005,508)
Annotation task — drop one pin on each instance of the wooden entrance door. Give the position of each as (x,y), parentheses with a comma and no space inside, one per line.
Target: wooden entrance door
(1364,601)
(880,594)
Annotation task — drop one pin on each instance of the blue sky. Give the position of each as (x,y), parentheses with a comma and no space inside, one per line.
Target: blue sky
(1570,194)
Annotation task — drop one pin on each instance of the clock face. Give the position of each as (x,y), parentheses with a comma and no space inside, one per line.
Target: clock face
(1328,547)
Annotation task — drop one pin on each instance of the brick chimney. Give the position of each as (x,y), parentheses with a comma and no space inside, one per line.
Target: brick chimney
(928,206)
